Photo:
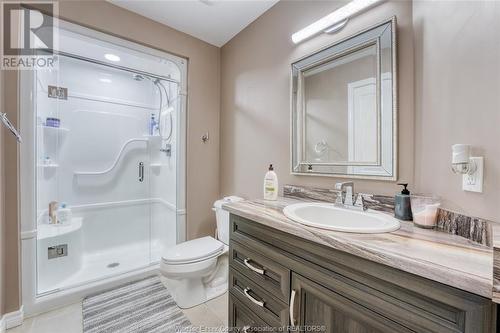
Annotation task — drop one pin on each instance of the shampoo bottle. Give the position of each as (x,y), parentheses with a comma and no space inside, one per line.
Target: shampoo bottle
(152,124)
(64,214)
(271,184)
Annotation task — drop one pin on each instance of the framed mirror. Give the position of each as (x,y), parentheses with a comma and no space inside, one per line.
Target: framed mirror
(344,107)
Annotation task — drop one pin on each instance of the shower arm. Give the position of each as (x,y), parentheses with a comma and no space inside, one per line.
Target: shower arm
(10,127)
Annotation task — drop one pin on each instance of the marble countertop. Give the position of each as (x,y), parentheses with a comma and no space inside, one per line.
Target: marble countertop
(442,257)
(496,263)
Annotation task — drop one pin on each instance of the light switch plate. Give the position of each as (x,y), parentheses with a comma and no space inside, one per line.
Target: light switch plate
(474,182)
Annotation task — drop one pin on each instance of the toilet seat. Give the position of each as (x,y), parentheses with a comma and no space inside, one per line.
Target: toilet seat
(193,251)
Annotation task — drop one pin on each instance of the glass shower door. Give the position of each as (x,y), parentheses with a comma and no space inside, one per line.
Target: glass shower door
(94,170)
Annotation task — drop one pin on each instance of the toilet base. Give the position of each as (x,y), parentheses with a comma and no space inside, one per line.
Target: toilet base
(192,291)
(216,291)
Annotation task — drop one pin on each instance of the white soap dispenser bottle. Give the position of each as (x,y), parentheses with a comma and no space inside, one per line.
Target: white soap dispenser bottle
(271,184)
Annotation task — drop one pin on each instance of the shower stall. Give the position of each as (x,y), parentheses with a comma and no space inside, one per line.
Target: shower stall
(102,165)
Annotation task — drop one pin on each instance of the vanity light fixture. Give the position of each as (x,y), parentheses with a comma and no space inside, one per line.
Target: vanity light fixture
(112,57)
(335,21)
(470,167)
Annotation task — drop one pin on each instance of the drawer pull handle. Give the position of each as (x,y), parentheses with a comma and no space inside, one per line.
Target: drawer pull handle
(259,303)
(292,305)
(253,268)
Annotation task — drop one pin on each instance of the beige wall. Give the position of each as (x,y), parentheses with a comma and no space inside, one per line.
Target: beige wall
(2,218)
(203,115)
(457,98)
(9,227)
(11,243)
(255,100)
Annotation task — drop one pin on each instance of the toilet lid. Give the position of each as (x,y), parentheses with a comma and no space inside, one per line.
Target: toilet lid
(193,250)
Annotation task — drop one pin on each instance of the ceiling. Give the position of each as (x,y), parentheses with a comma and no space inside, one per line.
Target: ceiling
(213,21)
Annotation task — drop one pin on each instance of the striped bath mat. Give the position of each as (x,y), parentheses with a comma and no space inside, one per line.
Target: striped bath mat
(142,306)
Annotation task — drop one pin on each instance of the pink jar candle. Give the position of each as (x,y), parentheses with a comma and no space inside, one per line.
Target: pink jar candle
(424,209)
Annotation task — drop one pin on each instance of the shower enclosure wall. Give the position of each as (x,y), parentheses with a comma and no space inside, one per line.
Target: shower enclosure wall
(105,145)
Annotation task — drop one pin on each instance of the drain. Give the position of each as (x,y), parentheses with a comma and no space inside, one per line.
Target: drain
(114,264)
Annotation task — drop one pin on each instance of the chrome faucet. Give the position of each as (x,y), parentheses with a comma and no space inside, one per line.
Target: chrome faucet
(346,191)
(167,150)
(346,196)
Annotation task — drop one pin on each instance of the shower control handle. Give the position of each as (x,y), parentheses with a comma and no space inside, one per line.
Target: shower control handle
(141,171)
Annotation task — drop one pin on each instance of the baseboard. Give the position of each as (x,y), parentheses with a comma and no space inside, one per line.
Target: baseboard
(2,325)
(13,319)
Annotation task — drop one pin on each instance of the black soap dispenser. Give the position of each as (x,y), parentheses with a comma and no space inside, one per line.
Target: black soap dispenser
(402,206)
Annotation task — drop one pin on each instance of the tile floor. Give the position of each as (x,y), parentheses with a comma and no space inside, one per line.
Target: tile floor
(69,319)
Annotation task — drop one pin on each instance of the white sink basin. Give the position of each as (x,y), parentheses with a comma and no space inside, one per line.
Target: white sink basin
(331,217)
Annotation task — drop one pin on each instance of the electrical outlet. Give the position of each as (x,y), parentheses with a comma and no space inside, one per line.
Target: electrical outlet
(474,181)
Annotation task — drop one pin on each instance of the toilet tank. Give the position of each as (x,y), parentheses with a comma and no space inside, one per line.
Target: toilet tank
(222,217)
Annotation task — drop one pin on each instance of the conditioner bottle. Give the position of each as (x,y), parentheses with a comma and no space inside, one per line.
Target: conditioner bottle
(271,184)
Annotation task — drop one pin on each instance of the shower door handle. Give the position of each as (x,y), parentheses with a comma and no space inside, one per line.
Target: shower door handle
(141,172)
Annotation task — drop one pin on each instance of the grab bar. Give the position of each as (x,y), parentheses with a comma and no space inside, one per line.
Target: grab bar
(115,163)
(10,127)
(141,172)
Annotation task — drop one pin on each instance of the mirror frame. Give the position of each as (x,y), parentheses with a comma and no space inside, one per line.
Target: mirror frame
(359,40)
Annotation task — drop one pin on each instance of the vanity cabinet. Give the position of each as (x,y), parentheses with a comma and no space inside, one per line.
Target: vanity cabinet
(280,280)
(318,307)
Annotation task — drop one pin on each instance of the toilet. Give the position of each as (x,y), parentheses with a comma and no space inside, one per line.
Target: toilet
(197,270)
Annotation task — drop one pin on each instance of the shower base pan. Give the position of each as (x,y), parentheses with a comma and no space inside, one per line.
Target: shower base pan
(99,265)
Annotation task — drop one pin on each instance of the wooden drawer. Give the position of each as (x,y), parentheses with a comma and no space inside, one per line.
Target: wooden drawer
(265,272)
(258,300)
(242,319)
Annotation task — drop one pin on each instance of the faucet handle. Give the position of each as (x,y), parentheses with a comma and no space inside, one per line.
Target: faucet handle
(348,196)
(339,200)
(360,201)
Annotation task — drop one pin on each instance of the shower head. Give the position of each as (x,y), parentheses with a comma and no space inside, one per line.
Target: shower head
(138,77)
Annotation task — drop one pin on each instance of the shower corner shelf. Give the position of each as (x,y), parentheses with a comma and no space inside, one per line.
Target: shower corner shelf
(45,230)
(48,166)
(155,139)
(156,165)
(49,129)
